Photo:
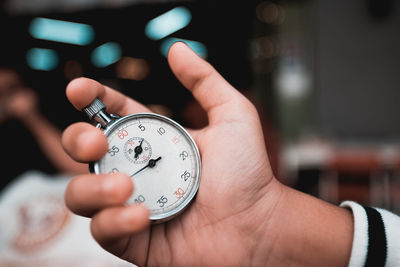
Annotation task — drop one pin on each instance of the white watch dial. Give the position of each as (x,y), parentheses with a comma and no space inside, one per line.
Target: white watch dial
(161,158)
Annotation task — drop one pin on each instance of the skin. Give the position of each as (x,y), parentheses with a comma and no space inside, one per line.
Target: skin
(242,215)
(20,102)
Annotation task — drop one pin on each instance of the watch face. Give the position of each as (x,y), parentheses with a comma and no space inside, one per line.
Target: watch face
(161,158)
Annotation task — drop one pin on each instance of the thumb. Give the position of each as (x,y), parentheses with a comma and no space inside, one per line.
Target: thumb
(206,84)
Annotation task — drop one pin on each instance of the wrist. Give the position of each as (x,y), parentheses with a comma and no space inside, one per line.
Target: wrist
(305,231)
(264,251)
(314,232)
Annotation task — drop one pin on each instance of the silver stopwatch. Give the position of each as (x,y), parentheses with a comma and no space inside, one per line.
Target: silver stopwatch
(159,154)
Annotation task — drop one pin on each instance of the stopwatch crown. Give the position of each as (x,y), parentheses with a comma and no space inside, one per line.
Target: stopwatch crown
(96,111)
(95,107)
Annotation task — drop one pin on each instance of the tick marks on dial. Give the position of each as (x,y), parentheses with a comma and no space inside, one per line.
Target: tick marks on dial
(137,150)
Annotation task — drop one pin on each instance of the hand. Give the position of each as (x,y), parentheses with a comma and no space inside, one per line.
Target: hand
(151,164)
(22,104)
(241,215)
(139,149)
(232,190)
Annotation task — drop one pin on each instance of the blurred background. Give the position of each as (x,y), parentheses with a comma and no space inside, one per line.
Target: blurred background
(323,75)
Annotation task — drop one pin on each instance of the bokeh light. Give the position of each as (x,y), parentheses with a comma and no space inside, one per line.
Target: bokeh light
(73,69)
(132,68)
(61,31)
(269,12)
(168,23)
(265,47)
(106,54)
(42,59)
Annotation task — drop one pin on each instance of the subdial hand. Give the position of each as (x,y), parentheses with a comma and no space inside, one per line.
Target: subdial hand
(139,149)
(151,164)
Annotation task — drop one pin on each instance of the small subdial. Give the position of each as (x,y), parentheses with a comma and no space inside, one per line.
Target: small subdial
(137,150)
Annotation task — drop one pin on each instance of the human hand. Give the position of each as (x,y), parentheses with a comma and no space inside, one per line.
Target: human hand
(241,215)
(22,104)
(221,227)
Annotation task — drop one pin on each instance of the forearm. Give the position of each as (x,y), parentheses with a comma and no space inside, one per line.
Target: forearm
(309,232)
(48,138)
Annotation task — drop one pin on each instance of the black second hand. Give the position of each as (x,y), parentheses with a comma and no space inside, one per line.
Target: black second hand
(138,149)
(151,164)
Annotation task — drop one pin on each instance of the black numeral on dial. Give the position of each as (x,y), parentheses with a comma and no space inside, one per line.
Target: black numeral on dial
(161,202)
(139,199)
(161,131)
(114,170)
(112,151)
(185,175)
(184,155)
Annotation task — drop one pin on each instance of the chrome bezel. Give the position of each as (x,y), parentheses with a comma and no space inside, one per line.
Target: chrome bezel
(176,211)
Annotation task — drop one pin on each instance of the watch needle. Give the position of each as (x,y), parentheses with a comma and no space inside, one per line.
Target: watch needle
(139,149)
(151,164)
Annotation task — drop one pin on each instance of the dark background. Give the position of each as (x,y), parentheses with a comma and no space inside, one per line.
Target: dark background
(224,31)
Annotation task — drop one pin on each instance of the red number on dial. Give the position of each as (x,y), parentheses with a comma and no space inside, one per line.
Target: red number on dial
(122,134)
(179,193)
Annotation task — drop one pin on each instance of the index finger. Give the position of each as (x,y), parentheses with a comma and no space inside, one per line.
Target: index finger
(82,91)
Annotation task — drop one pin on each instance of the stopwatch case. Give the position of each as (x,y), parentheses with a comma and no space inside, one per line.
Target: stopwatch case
(118,120)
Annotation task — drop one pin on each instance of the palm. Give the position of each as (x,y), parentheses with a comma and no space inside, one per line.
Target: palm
(222,206)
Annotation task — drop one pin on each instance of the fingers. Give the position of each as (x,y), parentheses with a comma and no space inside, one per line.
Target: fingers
(104,198)
(207,85)
(111,224)
(84,143)
(86,194)
(82,91)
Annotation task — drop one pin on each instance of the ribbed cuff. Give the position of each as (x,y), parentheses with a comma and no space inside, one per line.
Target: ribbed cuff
(376,236)
(359,249)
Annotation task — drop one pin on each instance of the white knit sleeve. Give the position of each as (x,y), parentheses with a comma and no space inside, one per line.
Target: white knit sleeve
(392,227)
(376,240)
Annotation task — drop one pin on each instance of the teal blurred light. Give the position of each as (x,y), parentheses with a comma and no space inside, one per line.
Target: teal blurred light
(106,54)
(42,59)
(199,48)
(168,23)
(61,31)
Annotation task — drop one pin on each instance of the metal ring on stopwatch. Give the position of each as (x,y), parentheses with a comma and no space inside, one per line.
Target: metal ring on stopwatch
(110,122)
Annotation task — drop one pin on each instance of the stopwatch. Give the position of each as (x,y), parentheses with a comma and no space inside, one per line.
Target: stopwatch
(156,152)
